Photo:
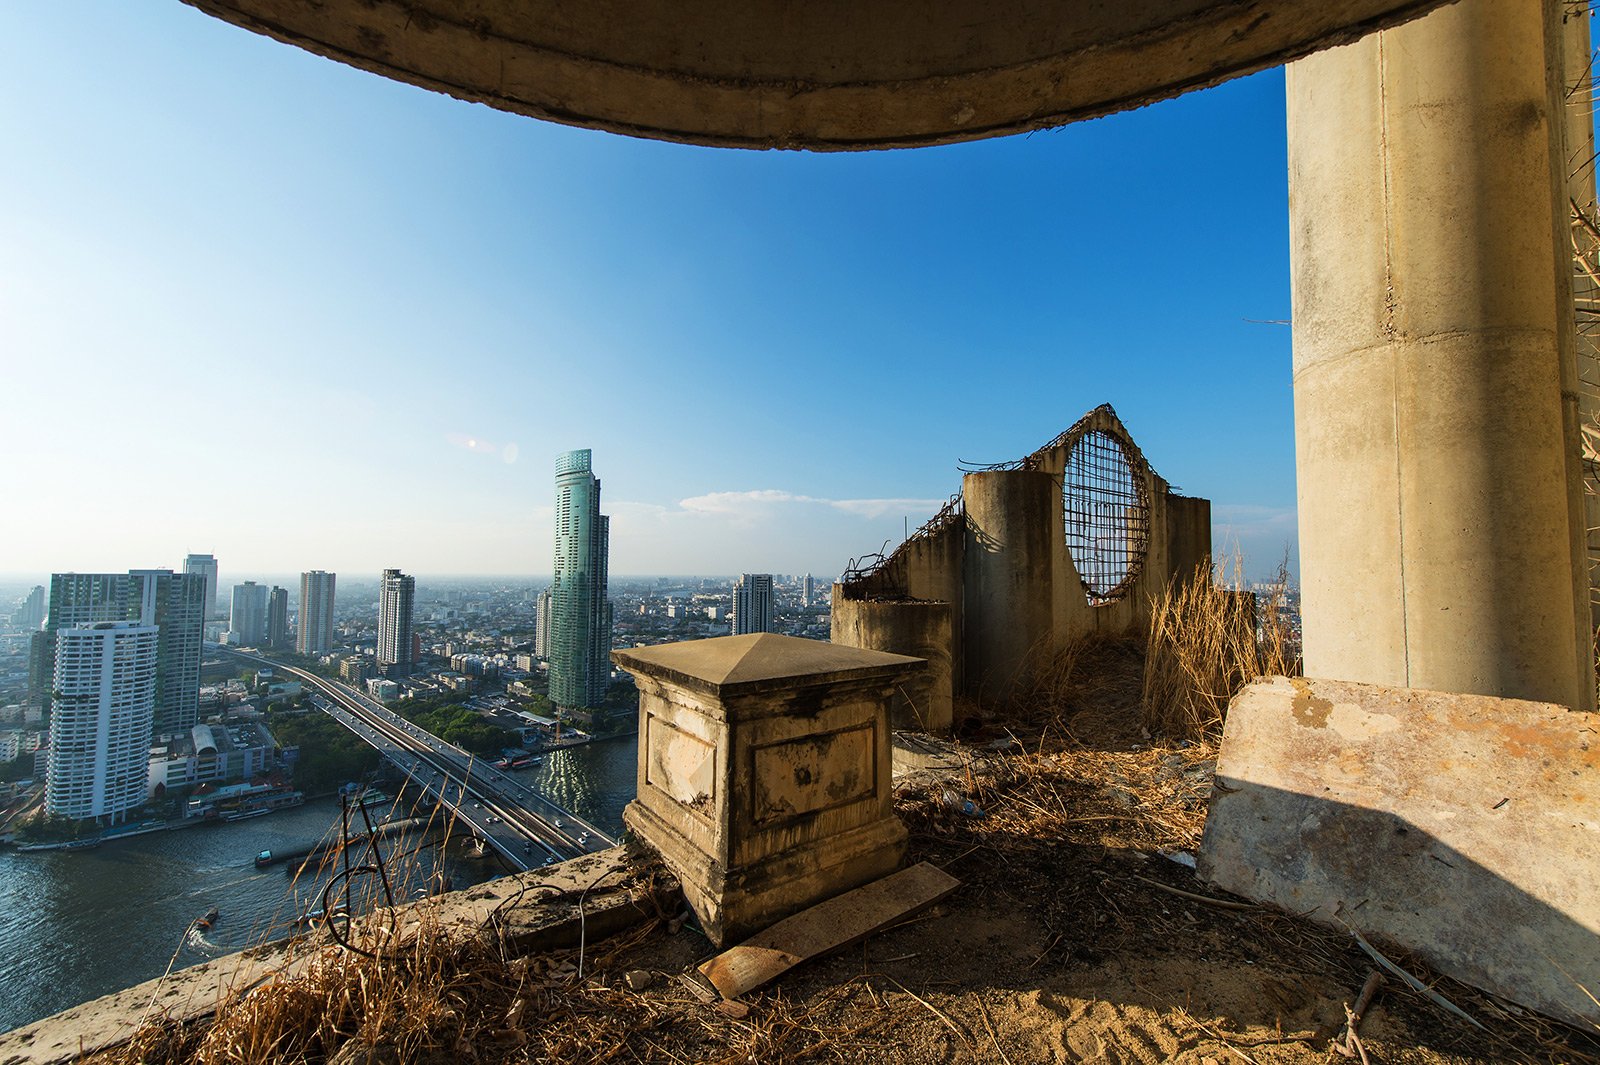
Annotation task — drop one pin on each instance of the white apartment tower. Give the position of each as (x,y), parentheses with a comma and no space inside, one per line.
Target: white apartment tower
(174,602)
(102,709)
(808,592)
(541,626)
(395,595)
(247,619)
(752,603)
(205,566)
(315,635)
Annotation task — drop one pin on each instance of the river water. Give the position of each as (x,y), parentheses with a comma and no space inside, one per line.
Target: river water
(77,925)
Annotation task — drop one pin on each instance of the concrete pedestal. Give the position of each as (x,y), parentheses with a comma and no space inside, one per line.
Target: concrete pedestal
(1441,517)
(764,772)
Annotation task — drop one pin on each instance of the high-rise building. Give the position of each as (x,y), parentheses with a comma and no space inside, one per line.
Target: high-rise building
(205,566)
(29,615)
(395,644)
(580,613)
(247,618)
(316,613)
(541,626)
(808,592)
(278,618)
(102,708)
(752,603)
(174,602)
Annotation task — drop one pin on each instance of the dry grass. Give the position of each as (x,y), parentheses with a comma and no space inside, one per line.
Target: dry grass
(1209,638)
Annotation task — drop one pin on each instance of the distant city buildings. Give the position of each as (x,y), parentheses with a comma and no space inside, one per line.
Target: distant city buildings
(101,717)
(205,566)
(29,615)
(174,602)
(752,603)
(247,618)
(580,622)
(808,592)
(315,634)
(278,618)
(355,671)
(541,626)
(396,643)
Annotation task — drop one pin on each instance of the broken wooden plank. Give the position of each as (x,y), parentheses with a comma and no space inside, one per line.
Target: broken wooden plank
(838,922)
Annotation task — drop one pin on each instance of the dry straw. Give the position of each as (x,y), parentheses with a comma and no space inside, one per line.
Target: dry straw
(1209,637)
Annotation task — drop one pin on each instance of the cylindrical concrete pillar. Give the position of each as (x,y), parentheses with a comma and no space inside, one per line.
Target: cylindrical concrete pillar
(1433,358)
(1007,576)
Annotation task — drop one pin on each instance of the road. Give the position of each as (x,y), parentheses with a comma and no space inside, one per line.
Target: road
(522,826)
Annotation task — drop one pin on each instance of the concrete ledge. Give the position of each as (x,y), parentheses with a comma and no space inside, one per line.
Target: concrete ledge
(1462,828)
(599,894)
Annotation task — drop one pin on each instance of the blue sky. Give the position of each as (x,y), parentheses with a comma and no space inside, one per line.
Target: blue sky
(258,303)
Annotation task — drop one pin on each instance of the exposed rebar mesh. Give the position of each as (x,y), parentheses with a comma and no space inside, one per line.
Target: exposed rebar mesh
(1107,514)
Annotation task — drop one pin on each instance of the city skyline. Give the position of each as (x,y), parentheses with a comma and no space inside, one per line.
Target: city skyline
(967,334)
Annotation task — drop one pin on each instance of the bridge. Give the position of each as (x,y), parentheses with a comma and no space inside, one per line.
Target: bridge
(522,826)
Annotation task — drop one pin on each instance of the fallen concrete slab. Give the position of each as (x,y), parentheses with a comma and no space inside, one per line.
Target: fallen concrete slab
(1461,828)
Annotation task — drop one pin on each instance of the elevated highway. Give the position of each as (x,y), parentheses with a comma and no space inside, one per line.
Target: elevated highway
(522,826)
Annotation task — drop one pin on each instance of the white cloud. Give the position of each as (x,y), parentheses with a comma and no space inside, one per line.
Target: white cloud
(762,501)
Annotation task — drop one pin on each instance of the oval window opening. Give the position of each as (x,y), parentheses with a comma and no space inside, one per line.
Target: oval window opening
(1107,516)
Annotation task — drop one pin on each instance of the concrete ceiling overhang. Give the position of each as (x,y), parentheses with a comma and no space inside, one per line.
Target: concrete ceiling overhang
(824,75)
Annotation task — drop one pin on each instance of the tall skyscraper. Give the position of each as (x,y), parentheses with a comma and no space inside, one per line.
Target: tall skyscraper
(101,714)
(174,602)
(752,603)
(247,617)
(808,592)
(580,613)
(205,566)
(316,613)
(541,626)
(395,644)
(29,615)
(278,618)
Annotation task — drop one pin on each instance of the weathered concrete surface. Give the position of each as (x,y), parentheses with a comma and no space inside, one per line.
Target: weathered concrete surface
(774,74)
(915,627)
(1008,574)
(1462,828)
(1441,515)
(764,772)
(598,895)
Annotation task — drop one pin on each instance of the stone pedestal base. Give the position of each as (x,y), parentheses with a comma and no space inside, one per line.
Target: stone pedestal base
(733,904)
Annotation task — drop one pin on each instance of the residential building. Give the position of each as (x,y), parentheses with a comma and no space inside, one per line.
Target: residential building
(396,642)
(580,619)
(355,671)
(808,592)
(175,602)
(205,566)
(541,626)
(315,635)
(101,715)
(752,603)
(30,612)
(278,618)
(382,690)
(247,620)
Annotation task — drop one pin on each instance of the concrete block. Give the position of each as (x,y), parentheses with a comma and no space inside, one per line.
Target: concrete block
(1462,828)
(764,772)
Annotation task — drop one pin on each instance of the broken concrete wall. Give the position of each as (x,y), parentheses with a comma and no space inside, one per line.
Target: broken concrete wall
(1464,829)
(1002,555)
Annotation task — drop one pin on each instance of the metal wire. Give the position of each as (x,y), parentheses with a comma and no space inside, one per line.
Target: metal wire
(1107,511)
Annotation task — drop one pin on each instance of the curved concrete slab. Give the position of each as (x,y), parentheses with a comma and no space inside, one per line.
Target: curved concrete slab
(835,75)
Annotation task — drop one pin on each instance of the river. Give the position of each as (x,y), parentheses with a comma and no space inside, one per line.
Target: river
(77,925)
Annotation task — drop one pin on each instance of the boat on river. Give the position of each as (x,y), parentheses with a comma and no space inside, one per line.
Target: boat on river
(208,920)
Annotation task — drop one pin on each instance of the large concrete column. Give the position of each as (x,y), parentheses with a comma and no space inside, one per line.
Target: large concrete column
(1441,536)
(1008,569)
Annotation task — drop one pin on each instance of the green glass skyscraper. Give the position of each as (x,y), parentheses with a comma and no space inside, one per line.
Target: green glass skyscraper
(580,613)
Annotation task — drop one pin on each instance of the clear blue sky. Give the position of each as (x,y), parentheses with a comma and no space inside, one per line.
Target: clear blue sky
(258,303)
